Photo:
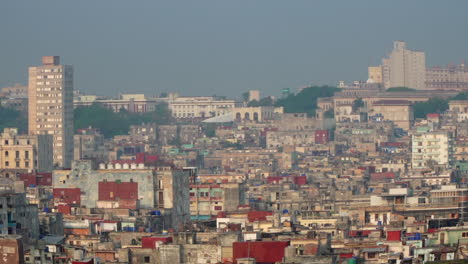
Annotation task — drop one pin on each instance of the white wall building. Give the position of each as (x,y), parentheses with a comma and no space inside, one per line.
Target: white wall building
(431,146)
(404,67)
(199,107)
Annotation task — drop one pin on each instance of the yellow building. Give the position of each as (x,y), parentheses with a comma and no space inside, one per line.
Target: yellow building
(24,153)
(375,74)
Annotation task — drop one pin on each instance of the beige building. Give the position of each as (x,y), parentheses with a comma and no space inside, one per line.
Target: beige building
(404,67)
(400,112)
(254,95)
(460,108)
(24,153)
(452,77)
(344,113)
(375,74)
(50,95)
(199,106)
(260,113)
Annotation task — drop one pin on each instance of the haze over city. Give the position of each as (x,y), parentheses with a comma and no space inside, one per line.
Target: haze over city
(222,47)
(233,132)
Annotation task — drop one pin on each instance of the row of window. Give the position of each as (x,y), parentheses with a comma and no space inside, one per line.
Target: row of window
(206,194)
(49,119)
(50,107)
(17,154)
(49,126)
(17,164)
(48,101)
(49,83)
(48,113)
(42,95)
(49,76)
(17,142)
(51,70)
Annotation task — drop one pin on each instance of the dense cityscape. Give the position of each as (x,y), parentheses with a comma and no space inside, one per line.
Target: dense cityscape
(233,132)
(365,172)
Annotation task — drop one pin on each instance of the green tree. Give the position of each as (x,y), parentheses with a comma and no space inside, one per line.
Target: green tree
(10,117)
(461,96)
(306,100)
(111,124)
(358,103)
(433,105)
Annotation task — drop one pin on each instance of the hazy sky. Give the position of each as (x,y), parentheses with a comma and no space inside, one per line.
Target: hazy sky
(221,47)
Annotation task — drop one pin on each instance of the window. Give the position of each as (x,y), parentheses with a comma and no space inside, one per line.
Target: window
(17,164)
(26,154)
(17,154)
(147,259)
(7,164)
(6,153)
(26,164)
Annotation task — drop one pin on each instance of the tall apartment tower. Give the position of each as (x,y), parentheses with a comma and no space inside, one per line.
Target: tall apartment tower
(404,67)
(50,94)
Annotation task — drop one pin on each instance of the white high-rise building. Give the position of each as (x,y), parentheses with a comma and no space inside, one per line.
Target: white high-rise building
(50,102)
(404,67)
(429,147)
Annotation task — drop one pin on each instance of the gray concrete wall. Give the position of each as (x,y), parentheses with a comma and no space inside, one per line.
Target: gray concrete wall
(82,176)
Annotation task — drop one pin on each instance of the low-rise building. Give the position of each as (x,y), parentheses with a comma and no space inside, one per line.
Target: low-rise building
(24,153)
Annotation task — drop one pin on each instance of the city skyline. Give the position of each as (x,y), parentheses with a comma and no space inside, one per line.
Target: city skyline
(174,47)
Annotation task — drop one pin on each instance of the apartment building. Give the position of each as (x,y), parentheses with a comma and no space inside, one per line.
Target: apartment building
(50,107)
(17,217)
(404,67)
(24,153)
(431,147)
